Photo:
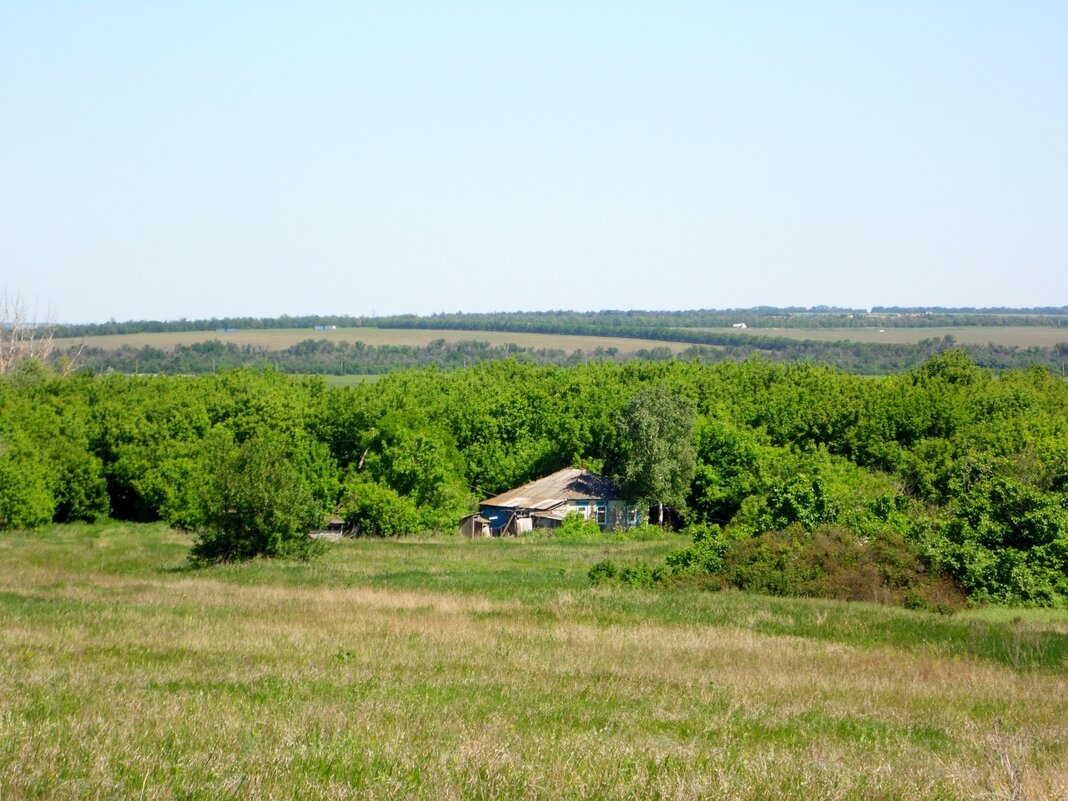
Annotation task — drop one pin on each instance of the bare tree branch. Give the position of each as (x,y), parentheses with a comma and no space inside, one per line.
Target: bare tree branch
(23,339)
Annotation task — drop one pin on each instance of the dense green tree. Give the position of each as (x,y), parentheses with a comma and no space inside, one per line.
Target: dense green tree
(254,504)
(422,464)
(725,473)
(657,458)
(370,509)
(26,498)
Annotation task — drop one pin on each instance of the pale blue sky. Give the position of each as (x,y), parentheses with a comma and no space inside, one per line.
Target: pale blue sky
(194,159)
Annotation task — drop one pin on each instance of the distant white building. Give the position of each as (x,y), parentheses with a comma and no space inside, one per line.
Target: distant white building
(739,325)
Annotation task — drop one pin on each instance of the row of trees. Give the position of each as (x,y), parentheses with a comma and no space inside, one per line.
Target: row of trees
(967,467)
(580,322)
(355,358)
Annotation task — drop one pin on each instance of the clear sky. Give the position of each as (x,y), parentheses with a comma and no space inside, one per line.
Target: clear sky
(194,159)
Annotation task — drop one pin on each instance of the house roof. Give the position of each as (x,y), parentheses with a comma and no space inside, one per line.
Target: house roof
(572,484)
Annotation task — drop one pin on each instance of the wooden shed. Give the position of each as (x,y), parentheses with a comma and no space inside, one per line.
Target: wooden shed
(475,525)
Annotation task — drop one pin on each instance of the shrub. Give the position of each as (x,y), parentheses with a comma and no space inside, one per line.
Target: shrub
(832,562)
(26,499)
(646,532)
(638,574)
(575,525)
(255,504)
(372,510)
(603,571)
(704,556)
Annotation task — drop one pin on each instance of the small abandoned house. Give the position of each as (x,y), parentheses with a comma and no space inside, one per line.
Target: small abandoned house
(546,502)
(334,531)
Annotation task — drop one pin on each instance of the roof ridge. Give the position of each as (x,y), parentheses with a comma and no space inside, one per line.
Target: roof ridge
(569,483)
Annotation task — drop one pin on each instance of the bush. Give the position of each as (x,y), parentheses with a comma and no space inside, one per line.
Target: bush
(255,504)
(603,571)
(832,562)
(372,510)
(646,532)
(575,525)
(26,499)
(704,556)
(638,574)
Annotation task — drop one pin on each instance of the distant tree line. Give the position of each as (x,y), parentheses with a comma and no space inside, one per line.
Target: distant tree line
(611,322)
(321,356)
(327,357)
(614,323)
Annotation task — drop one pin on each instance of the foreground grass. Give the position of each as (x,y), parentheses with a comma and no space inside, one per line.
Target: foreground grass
(457,669)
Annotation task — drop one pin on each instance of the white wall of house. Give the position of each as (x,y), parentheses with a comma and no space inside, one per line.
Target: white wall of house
(608,514)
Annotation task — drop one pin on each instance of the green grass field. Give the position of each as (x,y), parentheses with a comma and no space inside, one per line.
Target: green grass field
(446,668)
(281,338)
(1023,336)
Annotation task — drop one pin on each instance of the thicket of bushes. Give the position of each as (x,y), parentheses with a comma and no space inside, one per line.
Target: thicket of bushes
(829,562)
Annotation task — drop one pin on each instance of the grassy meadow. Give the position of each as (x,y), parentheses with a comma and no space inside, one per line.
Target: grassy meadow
(447,668)
(282,338)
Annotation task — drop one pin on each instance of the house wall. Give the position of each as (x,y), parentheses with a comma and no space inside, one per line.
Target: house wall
(471,526)
(497,516)
(616,515)
(622,515)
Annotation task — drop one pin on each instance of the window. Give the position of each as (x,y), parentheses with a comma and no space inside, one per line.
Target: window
(602,514)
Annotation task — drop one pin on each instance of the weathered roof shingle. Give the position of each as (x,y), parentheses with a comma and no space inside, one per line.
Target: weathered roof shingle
(572,484)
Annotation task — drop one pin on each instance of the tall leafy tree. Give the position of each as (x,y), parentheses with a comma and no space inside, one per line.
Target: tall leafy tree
(658,453)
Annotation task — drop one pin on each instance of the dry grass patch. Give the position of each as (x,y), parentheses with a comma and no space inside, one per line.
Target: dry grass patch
(282,338)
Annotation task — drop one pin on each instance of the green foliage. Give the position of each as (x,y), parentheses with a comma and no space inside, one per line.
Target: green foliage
(638,574)
(577,526)
(602,571)
(81,490)
(657,455)
(26,499)
(420,463)
(703,557)
(645,532)
(254,504)
(374,510)
(725,471)
(832,562)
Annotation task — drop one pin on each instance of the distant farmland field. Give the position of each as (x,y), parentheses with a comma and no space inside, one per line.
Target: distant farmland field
(1023,336)
(282,338)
